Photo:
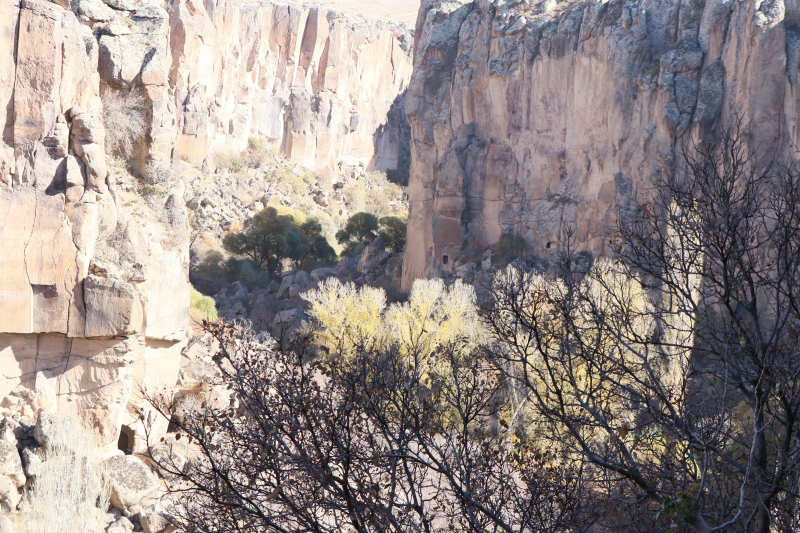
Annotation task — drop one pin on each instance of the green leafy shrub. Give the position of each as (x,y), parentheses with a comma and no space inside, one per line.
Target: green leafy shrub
(269,239)
(509,247)
(360,230)
(257,152)
(203,305)
(393,232)
(247,271)
(210,267)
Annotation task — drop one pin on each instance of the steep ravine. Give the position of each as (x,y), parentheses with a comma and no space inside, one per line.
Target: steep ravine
(94,292)
(534,117)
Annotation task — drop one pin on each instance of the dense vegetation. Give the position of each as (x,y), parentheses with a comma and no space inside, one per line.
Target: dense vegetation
(268,239)
(270,242)
(659,390)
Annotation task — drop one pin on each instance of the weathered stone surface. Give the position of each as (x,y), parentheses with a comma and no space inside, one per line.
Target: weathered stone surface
(95,10)
(48,430)
(9,495)
(153,520)
(133,486)
(10,463)
(535,119)
(318,85)
(112,308)
(373,256)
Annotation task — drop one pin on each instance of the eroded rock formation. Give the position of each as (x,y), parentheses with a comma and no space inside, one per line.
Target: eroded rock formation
(532,117)
(323,87)
(94,294)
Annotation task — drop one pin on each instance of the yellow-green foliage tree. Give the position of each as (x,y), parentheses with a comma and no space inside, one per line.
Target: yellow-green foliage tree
(346,318)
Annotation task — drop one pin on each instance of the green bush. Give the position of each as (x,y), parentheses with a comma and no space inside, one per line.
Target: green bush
(204,305)
(257,152)
(247,272)
(360,230)
(393,232)
(509,247)
(269,239)
(210,267)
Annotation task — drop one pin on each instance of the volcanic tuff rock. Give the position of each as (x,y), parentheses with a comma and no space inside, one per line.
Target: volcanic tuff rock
(531,118)
(93,276)
(94,294)
(323,87)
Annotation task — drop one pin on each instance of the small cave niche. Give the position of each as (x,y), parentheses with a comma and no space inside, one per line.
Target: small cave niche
(126,440)
(445,259)
(548,245)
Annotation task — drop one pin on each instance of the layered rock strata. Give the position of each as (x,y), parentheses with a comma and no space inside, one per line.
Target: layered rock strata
(533,118)
(94,294)
(323,87)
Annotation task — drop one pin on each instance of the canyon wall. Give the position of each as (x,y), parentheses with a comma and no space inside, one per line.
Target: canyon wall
(94,294)
(323,87)
(534,117)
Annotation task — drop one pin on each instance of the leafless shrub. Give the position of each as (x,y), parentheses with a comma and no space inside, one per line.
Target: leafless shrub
(366,440)
(123,118)
(675,381)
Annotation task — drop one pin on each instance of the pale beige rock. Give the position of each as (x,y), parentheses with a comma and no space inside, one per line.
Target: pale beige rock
(57,216)
(153,521)
(113,308)
(133,486)
(11,464)
(95,10)
(9,494)
(555,127)
(318,85)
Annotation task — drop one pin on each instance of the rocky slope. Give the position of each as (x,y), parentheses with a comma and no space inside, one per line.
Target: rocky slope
(531,117)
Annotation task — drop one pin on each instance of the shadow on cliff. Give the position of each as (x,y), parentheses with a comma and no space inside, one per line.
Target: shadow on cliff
(392,142)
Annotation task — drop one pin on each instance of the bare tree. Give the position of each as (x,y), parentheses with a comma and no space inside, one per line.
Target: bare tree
(671,372)
(123,119)
(362,441)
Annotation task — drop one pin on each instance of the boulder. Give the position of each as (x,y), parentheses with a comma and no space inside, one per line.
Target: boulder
(153,520)
(273,287)
(295,290)
(31,462)
(286,283)
(321,274)
(9,493)
(288,318)
(374,256)
(10,463)
(49,429)
(120,525)
(95,10)
(302,278)
(133,485)
(112,308)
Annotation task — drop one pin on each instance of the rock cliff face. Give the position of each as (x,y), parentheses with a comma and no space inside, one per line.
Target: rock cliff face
(93,280)
(94,291)
(323,87)
(530,117)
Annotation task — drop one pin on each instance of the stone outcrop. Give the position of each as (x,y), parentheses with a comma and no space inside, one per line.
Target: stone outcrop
(94,293)
(534,117)
(323,87)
